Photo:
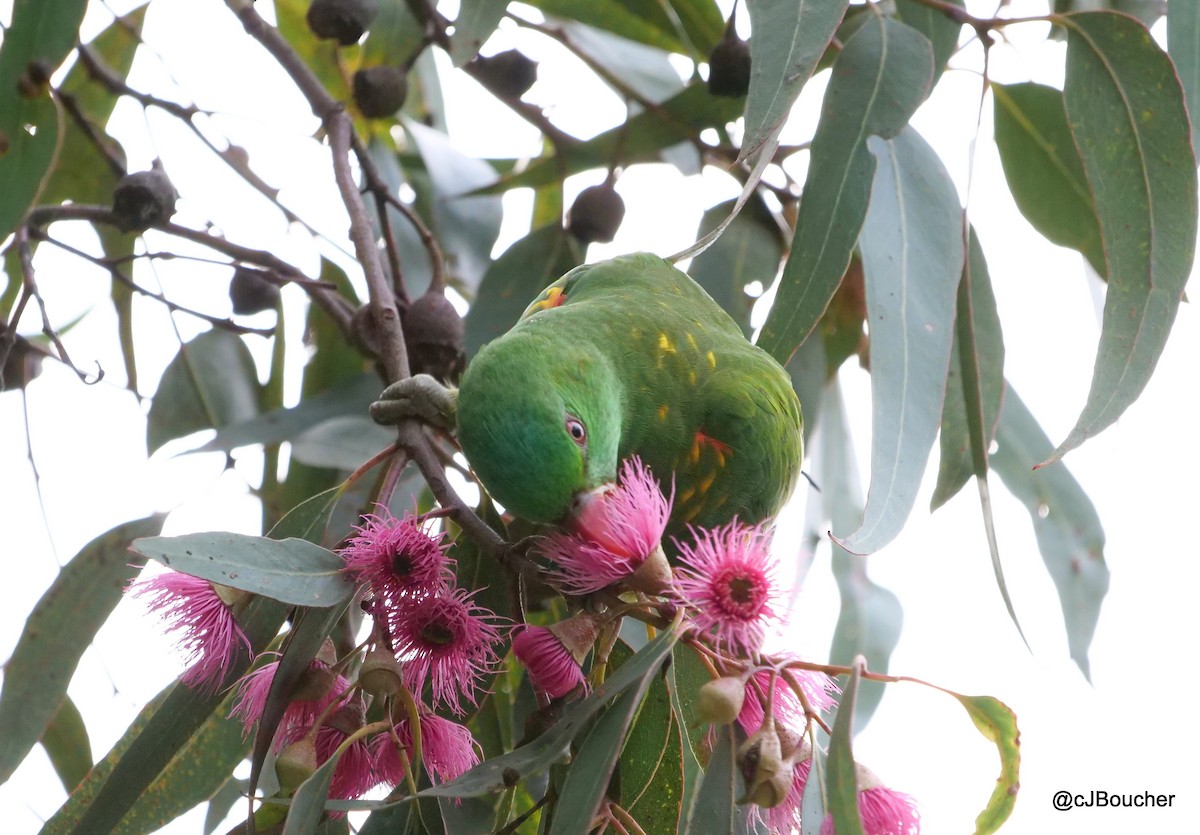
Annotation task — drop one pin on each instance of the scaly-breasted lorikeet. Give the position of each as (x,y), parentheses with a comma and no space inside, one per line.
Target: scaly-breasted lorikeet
(626,357)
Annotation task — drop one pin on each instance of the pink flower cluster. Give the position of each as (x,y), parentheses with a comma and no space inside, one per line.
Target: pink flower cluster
(439,633)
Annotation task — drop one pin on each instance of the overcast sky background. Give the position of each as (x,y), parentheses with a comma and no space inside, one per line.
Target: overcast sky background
(1133,730)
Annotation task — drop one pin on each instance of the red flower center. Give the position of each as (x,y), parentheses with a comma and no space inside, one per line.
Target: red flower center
(740,593)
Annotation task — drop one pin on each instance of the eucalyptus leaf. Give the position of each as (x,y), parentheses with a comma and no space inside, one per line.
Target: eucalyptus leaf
(41,34)
(1043,168)
(1183,45)
(1126,110)
(912,248)
(1069,535)
(67,745)
(842,772)
(211,383)
(58,630)
(290,570)
(787,41)
(882,74)
(476,21)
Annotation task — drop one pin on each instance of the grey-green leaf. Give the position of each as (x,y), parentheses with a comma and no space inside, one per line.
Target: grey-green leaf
(871,618)
(42,33)
(715,810)
(842,778)
(955,465)
(67,745)
(476,21)
(211,383)
(1183,44)
(1065,522)
(749,250)
(1043,168)
(882,74)
(466,227)
(786,42)
(934,24)
(290,570)
(57,632)
(912,249)
(1126,110)
(592,765)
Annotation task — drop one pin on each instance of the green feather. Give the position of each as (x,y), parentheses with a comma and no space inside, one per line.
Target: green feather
(651,366)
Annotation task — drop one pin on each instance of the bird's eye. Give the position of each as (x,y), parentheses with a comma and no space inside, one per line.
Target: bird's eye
(576,430)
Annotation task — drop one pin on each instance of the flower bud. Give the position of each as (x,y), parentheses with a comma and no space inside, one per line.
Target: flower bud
(720,700)
(768,777)
(381,673)
(296,763)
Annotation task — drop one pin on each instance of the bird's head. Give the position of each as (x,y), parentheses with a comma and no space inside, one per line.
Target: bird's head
(539,419)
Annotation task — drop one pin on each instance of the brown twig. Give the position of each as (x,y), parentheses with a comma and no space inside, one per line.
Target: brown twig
(330,301)
(118,275)
(29,281)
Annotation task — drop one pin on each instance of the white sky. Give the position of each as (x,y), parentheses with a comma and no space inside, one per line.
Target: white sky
(1135,730)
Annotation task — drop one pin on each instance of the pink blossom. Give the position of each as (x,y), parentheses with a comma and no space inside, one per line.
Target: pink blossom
(627,520)
(727,578)
(398,558)
(206,629)
(818,688)
(447,639)
(883,811)
(552,668)
(614,533)
(317,687)
(355,773)
(447,749)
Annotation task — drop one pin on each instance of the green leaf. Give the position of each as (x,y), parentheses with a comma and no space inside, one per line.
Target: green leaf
(343,443)
(882,74)
(67,745)
(592,765)
(871,618)
(310,629)
(842,774)
(466,226)
(320,56)
(211,383)
(645,21)
(935,25)
(645,69)
(308,803)
(749,250)
(163,728)
(476,21)
(996,721)
(290,570)
(515,279)
(42,33)
(684,680)
(1065,522)
(1183,45)
(1126,111)
(651,765)
(912,249)
(56,633)
(1043,168)
(715,810)
(310,519)
(350,396)
(976,305)
(787,41)
(639,139)
(394,37)
(537,756)
(81,173)
(194,774)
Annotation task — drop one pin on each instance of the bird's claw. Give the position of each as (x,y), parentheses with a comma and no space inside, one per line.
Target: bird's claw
(419,396)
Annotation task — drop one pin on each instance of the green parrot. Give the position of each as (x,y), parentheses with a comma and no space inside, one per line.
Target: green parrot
(624,357)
